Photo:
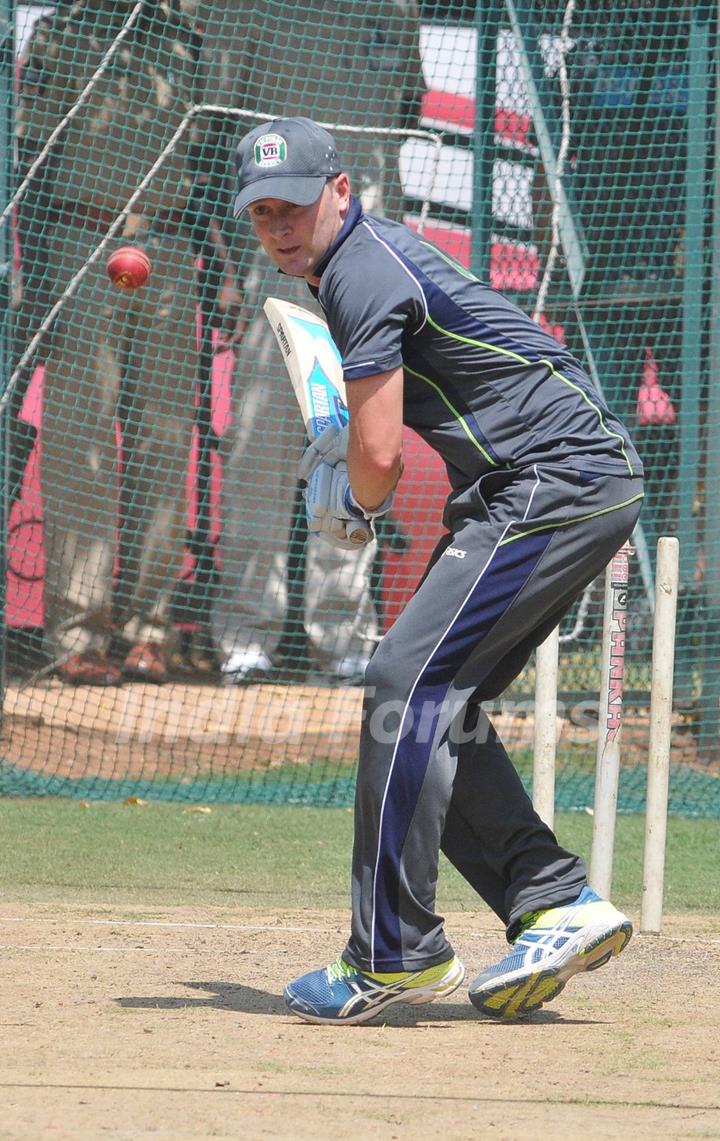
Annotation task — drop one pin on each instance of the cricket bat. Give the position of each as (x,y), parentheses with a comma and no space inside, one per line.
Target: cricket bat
(315,370)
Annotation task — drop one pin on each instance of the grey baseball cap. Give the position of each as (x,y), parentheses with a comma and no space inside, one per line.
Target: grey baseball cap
(288,159)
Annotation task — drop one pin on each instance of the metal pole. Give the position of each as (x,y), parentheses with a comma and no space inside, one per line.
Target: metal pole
(7,64)
(524,31)
(486,27)
(709,726)
(693,285)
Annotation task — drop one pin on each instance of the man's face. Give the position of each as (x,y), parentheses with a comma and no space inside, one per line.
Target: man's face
(297,237)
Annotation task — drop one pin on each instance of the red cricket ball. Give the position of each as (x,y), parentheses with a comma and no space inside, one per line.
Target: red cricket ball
(128,267)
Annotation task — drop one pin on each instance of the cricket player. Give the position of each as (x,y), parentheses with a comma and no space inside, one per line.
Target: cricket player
(546,486)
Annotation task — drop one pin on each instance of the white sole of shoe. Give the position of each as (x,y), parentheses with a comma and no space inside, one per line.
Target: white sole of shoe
(415,996)
(518,994)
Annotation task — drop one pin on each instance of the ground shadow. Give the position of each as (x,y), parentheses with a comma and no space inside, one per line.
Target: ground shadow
(241,999)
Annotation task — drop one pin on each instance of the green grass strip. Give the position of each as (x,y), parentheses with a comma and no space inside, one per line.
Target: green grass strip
(169,854)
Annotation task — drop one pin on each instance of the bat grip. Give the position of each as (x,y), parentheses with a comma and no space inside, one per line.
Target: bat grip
(359,533)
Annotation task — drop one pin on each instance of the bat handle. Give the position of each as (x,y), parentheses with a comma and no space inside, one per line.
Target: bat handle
(360,534)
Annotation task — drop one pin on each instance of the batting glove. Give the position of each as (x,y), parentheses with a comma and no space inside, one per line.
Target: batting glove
(332,510)
(329,447)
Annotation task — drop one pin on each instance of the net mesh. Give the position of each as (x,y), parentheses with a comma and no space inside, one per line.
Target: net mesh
(170,629)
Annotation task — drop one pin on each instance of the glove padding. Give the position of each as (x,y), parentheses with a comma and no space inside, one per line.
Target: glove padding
(329,447)
(333,512)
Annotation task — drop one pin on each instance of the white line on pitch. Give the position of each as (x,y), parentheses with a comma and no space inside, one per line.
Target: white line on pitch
(157,923)
(281,928)
(228,927)
(120,950)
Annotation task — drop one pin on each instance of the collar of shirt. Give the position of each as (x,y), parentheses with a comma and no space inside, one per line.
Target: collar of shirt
(354,215)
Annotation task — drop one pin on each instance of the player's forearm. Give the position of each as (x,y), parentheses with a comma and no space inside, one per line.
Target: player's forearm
(373,480)
(375,441)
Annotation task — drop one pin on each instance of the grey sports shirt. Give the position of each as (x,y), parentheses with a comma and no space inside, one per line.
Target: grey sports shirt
(483,384)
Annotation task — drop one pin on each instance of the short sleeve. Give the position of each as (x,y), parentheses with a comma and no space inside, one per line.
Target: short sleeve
(372,301)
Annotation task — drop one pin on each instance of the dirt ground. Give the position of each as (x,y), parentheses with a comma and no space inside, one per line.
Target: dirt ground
(140,1023)
(190,731)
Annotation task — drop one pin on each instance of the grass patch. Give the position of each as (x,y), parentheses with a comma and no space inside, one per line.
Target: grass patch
(170,855)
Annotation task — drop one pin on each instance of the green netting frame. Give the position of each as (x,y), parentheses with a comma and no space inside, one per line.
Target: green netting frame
(566,151)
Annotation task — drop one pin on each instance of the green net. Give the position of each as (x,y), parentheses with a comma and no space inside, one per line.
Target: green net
(170,628)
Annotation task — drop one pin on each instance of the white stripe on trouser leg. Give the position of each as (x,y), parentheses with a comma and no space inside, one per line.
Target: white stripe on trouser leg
(422,670)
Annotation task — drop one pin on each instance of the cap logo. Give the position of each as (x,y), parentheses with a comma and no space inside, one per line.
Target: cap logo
(270,150)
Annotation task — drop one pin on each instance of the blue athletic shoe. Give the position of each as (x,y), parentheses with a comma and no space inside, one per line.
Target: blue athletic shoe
(343,993)
(553,946)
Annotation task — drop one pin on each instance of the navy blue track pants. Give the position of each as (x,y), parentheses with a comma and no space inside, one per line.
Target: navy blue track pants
(432,773)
